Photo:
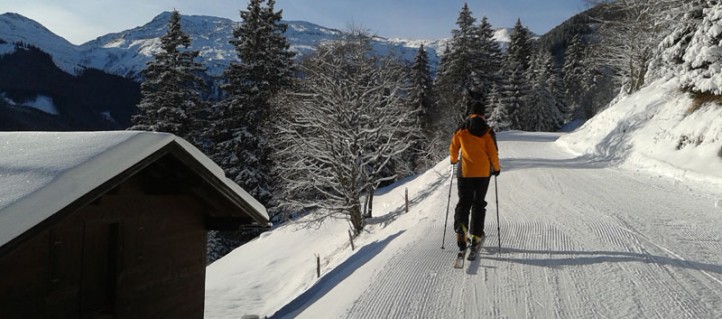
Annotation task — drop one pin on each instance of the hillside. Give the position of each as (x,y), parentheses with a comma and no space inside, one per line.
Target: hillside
(37,95)
(618,219)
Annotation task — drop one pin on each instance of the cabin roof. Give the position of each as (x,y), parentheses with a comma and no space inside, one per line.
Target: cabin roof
(43,172)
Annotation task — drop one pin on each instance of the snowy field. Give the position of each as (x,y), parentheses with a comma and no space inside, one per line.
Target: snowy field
(610,221)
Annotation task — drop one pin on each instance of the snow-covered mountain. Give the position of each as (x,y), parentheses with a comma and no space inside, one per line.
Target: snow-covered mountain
(15,28)
(125,53)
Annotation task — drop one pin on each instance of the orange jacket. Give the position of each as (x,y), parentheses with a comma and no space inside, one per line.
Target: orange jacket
(478,148)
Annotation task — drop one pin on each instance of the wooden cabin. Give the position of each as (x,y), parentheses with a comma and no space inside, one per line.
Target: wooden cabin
(110,225)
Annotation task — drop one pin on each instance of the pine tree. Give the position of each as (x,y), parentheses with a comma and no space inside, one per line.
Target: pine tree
(489,57)
(242,120)
(422,105)
(499,118)
(542,111)
(459,65)
(701,60)
(243,117)
(574,79)
(422,91)
(520,46)
(171,89)
(515,89)
(515,94)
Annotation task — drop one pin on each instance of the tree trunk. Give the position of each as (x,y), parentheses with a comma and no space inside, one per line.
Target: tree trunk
(370,204)
(357,220)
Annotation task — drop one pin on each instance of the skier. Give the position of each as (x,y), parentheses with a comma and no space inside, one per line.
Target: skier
(479,160)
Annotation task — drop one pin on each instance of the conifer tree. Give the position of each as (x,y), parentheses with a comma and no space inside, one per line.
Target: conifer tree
(422,105)
(489,57)
(701,60)
(574,78)
(521,47)
(456,85)
(171,88)
(542,110)
(499,118)
(242,120)
(422,91)
(243,117)
(515,89)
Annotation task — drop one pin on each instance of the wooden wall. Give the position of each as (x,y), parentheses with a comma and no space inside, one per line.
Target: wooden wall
(129,254)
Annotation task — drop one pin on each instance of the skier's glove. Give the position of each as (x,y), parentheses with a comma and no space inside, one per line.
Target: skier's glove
(496,173)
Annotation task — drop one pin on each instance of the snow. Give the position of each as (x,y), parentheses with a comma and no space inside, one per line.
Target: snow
(43,103)
(701,58)
(15,28)
(6,48)
(126,53)
(40,102)
(619,219)
(42,172)
(653,130)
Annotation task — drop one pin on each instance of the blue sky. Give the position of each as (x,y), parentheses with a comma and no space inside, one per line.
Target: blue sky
(82,20)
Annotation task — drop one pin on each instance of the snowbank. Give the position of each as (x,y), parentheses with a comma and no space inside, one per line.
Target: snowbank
(267,273)
(654,130)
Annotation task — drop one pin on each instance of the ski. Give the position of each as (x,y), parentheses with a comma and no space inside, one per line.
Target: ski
(474,251)
(459,262)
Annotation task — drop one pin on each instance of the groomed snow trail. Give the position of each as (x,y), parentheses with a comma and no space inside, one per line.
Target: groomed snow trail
(578,240)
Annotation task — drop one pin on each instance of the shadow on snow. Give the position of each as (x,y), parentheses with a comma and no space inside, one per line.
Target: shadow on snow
(333,278)
(413,201)
(581,258)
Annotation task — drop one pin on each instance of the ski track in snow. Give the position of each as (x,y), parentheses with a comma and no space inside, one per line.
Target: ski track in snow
(625,245)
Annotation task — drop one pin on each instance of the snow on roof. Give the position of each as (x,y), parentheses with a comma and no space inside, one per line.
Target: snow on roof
(42,172)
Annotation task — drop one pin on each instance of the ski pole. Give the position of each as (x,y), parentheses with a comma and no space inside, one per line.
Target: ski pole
(448,202)
(498,227)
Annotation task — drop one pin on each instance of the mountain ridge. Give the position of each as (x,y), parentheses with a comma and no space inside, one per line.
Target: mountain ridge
(125,53)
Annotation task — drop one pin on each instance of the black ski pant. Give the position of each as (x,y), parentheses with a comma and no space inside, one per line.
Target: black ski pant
(472,195)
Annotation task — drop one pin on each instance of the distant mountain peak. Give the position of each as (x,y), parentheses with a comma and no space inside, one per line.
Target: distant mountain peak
(126,53)
(16,28)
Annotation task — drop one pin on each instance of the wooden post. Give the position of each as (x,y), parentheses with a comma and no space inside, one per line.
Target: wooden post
(350,238)
(318,266)
(406,197)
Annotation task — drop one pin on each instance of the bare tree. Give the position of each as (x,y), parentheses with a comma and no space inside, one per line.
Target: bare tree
(629,34)
(343,128)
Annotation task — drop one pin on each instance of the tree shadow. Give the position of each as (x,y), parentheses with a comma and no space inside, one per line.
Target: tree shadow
(582,162)
(333,278)
(413,201)
(582,258)
(521,136)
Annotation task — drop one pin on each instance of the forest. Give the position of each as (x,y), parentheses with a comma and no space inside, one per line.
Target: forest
(325,132)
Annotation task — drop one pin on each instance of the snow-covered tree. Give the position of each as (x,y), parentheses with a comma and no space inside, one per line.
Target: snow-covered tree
(456,79)
(521,47)
(574,78)
(702,59)
(423,103)
(542,112)
(172,87)
(515,88)
(499,118)
(241,135)
(421,95)
(489,58)
(243,118)
(346,125)
(631,33)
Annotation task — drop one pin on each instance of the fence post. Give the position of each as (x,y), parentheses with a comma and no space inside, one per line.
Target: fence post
(406,197)
(318,266)
(350,238)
